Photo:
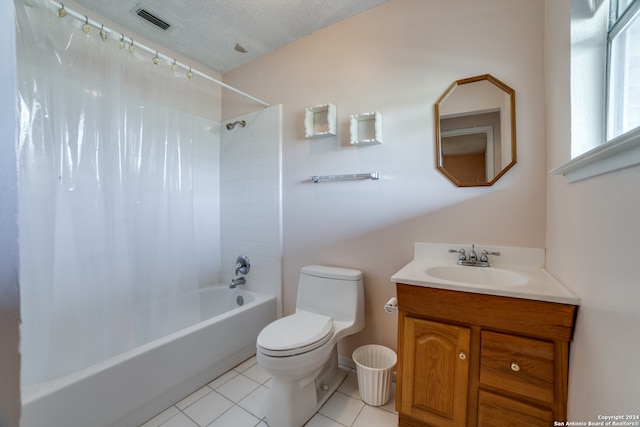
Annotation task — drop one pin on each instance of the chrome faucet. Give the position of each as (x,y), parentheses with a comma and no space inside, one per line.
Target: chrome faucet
(237,281)
(473,260)
(242,267)
(473,257)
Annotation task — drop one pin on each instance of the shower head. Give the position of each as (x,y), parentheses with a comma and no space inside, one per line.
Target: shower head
(242,124)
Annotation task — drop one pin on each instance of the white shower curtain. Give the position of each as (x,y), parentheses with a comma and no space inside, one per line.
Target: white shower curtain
(106,208)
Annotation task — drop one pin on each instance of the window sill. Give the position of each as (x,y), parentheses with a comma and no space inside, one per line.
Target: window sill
(619,153)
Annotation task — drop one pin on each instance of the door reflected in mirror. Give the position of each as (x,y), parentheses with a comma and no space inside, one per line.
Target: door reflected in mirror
(475,131)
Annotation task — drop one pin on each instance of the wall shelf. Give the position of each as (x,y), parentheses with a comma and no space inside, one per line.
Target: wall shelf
(366,128)
(320,121)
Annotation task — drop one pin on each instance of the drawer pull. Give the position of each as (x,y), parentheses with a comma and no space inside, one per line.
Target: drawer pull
(462,355)
(515,367)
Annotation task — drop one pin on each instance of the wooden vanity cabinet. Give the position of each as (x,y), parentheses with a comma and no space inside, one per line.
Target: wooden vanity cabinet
(468,359)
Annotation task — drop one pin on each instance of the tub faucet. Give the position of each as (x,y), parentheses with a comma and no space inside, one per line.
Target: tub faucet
(237,281)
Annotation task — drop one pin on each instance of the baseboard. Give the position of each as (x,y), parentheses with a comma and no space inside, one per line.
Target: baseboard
(346,361)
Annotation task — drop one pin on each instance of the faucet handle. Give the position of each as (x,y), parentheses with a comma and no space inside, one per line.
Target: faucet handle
(484,257)
(463,255)
(242,265)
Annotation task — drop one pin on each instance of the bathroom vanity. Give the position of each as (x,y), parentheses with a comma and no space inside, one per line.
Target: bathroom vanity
(482,347)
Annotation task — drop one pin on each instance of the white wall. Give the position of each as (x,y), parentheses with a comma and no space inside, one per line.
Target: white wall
(398,58)
(9,290)
(592,246)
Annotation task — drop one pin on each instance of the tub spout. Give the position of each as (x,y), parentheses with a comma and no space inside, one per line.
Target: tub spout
(237,281)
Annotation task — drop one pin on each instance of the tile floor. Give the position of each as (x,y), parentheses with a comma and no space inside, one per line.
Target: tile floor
(235,399)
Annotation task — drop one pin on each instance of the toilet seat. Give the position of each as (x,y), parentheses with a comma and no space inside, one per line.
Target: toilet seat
(295,334)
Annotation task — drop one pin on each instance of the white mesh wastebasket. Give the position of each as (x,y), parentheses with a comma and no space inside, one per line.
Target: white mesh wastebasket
(375,367)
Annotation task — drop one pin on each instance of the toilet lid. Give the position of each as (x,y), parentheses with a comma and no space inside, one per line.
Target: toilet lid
(295,334)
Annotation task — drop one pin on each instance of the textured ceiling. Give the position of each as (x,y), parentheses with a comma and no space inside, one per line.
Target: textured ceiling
(217,33)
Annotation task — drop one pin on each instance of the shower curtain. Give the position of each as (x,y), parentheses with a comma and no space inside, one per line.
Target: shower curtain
(106,211)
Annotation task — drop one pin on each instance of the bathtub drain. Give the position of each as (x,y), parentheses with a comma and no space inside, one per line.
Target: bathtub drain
(240,300)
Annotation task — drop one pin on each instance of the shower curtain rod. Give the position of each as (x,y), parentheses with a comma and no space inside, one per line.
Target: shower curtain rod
(150,51)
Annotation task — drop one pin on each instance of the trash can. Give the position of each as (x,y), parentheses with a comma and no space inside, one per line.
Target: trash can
(375,367)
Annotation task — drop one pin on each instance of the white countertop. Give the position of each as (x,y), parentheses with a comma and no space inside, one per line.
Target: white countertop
(525,262)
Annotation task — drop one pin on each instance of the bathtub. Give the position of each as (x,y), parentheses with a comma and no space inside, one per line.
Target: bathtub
(128,389)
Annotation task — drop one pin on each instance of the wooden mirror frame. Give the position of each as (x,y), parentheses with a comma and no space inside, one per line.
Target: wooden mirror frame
(510,103)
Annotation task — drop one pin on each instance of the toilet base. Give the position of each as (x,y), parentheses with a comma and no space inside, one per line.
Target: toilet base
(291,403)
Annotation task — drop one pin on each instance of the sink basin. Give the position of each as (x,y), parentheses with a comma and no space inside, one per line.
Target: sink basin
(482,276)
(517,273)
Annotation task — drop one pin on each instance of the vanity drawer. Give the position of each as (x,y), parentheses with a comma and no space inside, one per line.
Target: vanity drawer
(499,411)
(519,365)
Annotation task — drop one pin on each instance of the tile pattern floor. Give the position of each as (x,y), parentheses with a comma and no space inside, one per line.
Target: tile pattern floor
(235,400)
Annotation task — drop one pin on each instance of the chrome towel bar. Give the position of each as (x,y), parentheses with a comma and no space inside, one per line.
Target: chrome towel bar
(371,175)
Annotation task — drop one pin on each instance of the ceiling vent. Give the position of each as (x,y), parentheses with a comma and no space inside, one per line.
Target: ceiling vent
(150,17)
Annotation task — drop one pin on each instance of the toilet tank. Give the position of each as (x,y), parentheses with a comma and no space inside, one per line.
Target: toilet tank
(332,291)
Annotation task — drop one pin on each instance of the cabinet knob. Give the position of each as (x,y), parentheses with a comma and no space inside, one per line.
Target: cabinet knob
(515,367)
(462,355)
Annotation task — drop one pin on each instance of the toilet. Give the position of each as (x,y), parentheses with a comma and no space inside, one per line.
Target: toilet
(300,350)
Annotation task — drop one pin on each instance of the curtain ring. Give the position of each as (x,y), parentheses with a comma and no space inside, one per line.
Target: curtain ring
(156,60)
(174,66)
(103,34)
(189,74)
(62,12)
(132,48)
(86,27)
(121,41)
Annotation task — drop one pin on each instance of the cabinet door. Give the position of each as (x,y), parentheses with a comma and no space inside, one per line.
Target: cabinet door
(435,373)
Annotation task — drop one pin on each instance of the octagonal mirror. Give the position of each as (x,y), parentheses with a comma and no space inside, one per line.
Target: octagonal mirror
(476,131)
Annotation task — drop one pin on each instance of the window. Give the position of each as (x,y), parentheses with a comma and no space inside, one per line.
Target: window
(623,40)
(605,133)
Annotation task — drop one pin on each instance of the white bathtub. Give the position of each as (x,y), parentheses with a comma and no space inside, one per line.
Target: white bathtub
(128,389)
